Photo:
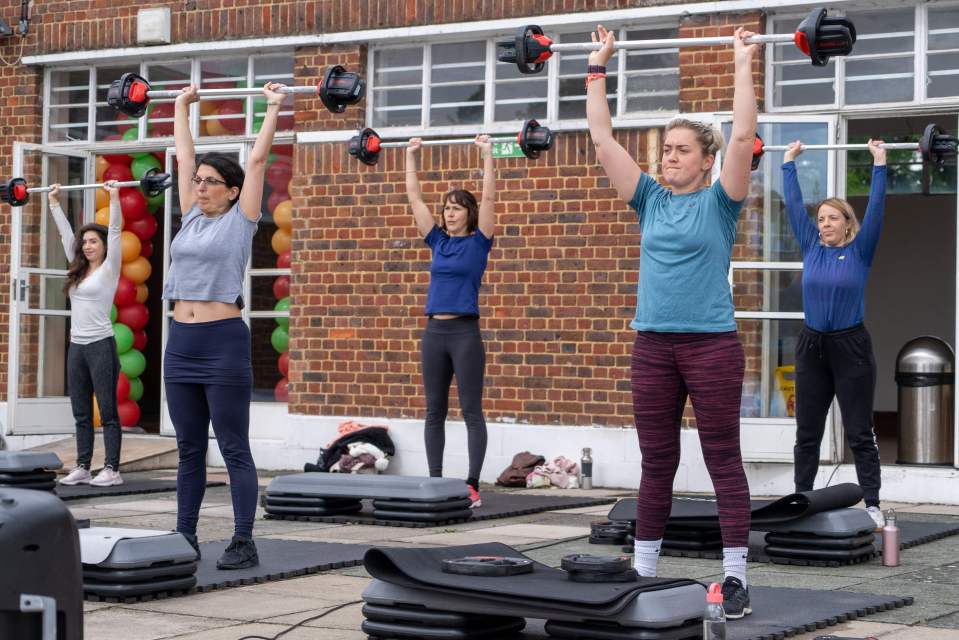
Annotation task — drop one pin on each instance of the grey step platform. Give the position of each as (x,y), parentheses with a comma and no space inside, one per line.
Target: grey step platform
(141,566)
(411,498)
(29,470)
(836,523)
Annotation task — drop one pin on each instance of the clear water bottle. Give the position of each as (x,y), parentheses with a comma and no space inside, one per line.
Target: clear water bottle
(714,617)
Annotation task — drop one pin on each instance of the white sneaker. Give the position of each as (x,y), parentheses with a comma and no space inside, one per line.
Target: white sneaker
(107,478)
(77,476)
(876,514)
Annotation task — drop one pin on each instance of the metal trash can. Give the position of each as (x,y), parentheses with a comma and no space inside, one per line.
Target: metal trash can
(925,376)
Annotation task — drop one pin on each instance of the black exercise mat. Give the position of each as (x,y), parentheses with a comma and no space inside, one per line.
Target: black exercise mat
(913,534)
(422,568)
(701,512)
(496,504)
(279,559)
(130,486)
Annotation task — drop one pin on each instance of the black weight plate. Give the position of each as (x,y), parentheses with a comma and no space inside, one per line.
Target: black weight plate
(604,564)
(602,540)
(408,505)
(488,566)
(600,576)
(611,525)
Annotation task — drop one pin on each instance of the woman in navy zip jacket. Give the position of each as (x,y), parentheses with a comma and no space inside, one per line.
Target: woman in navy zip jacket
(834,352)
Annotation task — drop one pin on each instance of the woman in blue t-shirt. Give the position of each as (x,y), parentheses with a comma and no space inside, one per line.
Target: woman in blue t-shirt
(686,343)
(452,343)
(834,351)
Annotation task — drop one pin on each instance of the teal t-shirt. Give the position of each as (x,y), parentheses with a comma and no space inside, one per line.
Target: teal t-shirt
(687,240)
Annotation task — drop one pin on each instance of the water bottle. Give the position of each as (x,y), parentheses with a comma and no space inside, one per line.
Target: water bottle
(890,540)
(586,469)
(714,617)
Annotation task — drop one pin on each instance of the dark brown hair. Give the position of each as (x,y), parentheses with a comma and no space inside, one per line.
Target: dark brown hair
(79,266)
(467,200)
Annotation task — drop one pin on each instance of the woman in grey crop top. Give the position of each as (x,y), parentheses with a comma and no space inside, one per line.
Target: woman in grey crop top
(93,366)
(207,365)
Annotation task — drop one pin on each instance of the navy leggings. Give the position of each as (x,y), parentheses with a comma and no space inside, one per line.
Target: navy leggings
(208,376)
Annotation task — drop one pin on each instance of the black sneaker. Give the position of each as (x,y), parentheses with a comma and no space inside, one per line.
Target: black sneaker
(735,598)
(193,543)
(240,554)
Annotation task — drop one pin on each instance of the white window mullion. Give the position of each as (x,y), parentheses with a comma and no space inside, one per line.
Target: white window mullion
(427,69)
(552,88)
(921,65)
(489,105)
(92,104)
(620,77)
(371,73)
(47,80)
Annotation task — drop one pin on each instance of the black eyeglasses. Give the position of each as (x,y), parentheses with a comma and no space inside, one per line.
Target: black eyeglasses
(209,182)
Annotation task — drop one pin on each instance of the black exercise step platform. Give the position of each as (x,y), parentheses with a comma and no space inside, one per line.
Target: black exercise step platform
(29,469)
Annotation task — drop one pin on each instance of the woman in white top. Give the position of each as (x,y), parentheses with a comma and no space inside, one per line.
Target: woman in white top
(93,366)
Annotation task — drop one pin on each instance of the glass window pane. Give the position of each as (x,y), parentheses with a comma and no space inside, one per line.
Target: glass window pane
(767,290)
(885,31)
(769,388)
(458,61)
(69,106)
(943,28)
(652,82)
(164,77)
(223,116)
(518,96)
(888,80)
(274,232)
(44,341)
(572,72)
(273,69)
(943,75)
(800,83)
(270,353)
(397,87)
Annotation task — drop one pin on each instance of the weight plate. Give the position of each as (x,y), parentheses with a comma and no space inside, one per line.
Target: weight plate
(488,566)
(604,564)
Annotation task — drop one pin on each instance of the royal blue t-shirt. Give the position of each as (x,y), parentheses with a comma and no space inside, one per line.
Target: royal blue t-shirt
(457,271)
(834,278)
(687,240)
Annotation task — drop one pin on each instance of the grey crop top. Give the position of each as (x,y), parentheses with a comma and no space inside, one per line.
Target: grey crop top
(208,256)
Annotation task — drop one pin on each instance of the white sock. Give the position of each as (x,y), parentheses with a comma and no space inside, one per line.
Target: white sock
(646,555)
(734,562)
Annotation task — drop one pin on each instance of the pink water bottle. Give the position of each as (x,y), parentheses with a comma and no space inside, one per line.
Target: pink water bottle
(890,540)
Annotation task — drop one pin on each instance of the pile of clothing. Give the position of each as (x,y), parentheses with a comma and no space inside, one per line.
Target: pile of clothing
(533,472)
(359,448)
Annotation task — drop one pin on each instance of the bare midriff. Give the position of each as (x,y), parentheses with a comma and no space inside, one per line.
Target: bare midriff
(445,316)
(204,311)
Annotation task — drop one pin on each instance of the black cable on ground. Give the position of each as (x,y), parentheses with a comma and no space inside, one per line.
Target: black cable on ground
(302,622)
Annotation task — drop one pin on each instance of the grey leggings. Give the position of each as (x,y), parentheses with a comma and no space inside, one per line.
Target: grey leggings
(95,368)
(454,347)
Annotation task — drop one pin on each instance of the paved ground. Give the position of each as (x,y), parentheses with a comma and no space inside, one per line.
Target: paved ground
(930,573)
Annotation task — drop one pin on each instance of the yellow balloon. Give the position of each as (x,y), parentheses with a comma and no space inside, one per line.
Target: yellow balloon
(129,246)
(96,413)
(103,198)
(102,165)
(207,107)
(283,215)
(142,293)
(137,270)
(103,217)
(281,241)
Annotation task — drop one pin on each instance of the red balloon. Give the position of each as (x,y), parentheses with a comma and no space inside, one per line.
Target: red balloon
(161,156)
(123,388)
(135,316)
(140,340)
(281,287)
(279,173)
(284,260)
(235,126)
(119,172)
(283,363)
(276,198)
(121,158)
(162,110)
(281,392)
(126,293)
(132,203)
(146,248)
(144,228)
(129,413)
(283,150)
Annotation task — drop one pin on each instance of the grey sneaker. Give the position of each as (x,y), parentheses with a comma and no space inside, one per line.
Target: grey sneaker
(108,477)
(735,598)
(240,554)
(876,514)
(79,475)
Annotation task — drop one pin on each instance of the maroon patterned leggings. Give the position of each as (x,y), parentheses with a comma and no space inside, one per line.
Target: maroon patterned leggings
(708,368)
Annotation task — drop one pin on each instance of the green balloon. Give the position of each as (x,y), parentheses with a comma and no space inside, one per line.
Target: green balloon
(124,337)
(130,135)
(113,313)
(155,203)
(280,340)
(143,164)
(132,363)
(136,389)
(283,305)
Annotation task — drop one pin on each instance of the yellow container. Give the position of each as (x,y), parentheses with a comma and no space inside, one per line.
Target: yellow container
(786,382)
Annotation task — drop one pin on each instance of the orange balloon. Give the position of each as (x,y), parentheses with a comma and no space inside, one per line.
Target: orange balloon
(281,241)
(103,198)
(142,293)
(102,164)
(96,413)
(129,246)
(137,270)
(103,217)
(207,107)
(283,215)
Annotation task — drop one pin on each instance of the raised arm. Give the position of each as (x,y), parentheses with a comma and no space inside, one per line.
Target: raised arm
(806,232)
(114,250)
(868,236)
(421,213)
(623,172)
(487,207)
(185,152)
(734,176)
(60,218)
(251,196)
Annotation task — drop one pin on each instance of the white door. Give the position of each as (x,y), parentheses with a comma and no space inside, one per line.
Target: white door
(766,280)
(39,331)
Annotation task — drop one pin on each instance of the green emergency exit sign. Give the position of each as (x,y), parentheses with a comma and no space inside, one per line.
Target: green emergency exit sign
(507,150)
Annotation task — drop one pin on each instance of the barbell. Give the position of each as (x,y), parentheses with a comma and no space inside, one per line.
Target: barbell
(16,193)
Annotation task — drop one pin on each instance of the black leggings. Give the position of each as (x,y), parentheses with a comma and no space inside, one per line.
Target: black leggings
(95,368)
(840,364)
(454,347)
